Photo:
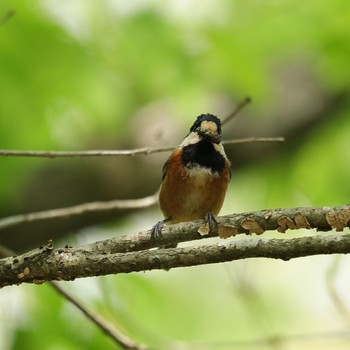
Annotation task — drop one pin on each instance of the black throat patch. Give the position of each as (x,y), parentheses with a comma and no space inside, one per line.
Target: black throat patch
(203,154)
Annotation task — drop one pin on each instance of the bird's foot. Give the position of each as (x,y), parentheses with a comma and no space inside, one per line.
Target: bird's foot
(157,228)
(210,220)
(209,226)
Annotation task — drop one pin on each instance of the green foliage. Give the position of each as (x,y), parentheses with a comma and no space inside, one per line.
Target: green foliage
(74,70)
(322,170)
(57,325)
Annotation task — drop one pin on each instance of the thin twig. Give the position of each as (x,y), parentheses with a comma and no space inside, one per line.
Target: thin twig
(92,153)
(254,139)
(6,17)
(107,328)
(114,153)
(273,341)
(79,210)
(239,107)
(337,300)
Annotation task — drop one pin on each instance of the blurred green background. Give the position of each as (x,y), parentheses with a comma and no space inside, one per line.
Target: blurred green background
(113,75)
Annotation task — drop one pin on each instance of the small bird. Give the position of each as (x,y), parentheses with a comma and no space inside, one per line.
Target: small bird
(195,176)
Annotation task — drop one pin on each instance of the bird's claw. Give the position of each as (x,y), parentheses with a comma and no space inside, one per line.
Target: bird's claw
(157,230)
(210,220)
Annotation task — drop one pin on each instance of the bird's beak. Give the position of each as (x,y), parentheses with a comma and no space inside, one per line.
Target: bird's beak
(213,136)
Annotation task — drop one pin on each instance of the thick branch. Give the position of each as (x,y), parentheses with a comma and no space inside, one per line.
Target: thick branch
(320,218)
(45,263)
(112,256)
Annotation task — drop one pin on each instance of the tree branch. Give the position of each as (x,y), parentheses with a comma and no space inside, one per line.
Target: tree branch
(116,336)
(102,258)
(239,107)
(320,218)
(79,210)
(44,264)
(113,153)
(8,15)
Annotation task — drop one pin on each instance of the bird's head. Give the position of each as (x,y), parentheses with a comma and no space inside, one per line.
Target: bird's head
(208,126)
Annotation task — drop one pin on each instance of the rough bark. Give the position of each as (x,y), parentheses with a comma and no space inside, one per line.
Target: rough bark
(130,253)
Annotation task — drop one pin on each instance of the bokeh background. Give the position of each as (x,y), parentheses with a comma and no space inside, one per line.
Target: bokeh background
(115,74)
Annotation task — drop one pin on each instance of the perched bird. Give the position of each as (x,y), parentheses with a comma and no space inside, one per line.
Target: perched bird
(195,176)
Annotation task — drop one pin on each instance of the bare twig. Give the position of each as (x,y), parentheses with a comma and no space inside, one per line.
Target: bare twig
(101,323)
(79,210)
(107,328)
(338,302)
(254,139)
(274,341)
(6,17)
(92,153)
(239,107)
(115,153)
(102,258)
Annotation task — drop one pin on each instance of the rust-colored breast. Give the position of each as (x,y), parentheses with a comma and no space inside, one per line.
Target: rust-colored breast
(189,194)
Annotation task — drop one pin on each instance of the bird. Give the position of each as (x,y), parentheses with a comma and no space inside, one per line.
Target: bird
(195,177)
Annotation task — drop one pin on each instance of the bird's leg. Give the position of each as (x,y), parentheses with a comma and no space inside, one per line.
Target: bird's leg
(210,220)
(157,228)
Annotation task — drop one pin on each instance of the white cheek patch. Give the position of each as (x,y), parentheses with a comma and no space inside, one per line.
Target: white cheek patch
(220,148)
(190,139)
